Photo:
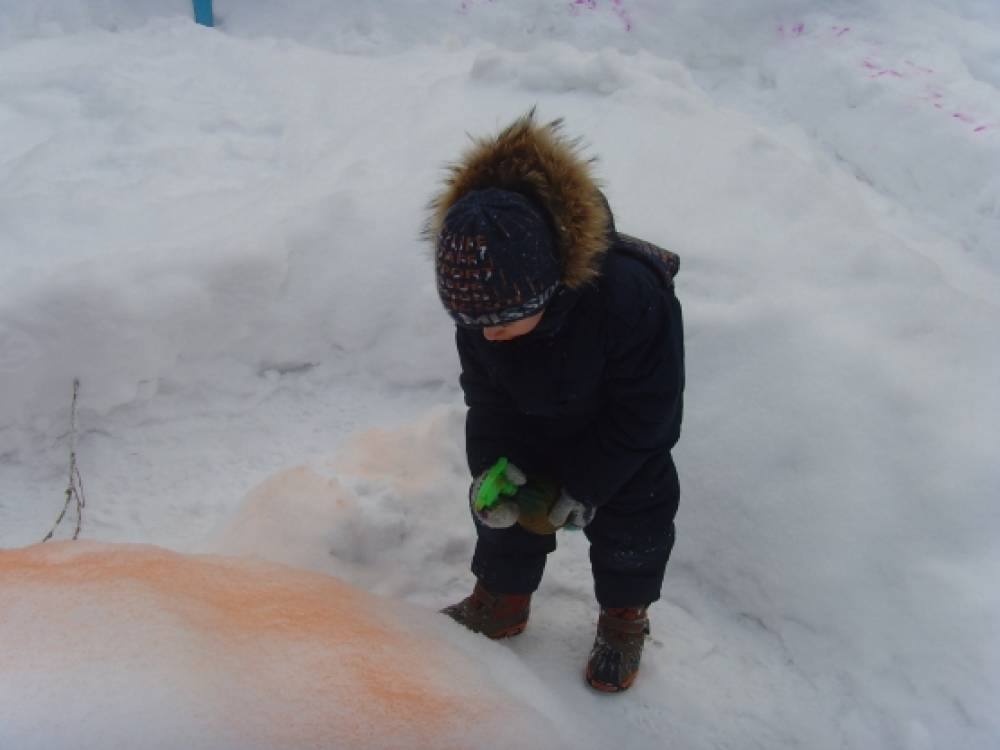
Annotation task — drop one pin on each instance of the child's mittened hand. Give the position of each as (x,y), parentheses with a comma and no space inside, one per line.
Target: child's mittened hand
(570,514)
(503,515)
(506,512)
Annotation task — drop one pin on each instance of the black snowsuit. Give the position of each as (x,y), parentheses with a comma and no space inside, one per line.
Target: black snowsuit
(592,396)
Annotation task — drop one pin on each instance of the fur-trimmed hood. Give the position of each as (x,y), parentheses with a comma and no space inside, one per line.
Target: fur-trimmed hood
(539,162)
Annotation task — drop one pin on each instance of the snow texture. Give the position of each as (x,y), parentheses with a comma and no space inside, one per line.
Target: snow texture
(216,231)
(129,645)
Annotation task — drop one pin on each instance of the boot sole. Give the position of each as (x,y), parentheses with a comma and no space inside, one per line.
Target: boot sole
(607,687)
(508,632)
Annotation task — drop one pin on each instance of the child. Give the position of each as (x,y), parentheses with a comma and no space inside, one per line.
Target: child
(572,352)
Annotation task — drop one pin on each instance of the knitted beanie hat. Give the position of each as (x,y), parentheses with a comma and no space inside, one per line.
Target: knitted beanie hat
(496,259)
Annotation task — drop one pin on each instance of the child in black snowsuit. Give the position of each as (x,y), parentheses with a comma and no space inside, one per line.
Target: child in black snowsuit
(572,352)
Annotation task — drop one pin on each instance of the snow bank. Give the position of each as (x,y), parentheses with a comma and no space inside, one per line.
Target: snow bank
(211,233)
(56,18)
(181,207)
(128,646)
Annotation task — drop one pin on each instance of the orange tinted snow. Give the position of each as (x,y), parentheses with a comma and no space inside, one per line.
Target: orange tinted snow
(330,663)
(413,456)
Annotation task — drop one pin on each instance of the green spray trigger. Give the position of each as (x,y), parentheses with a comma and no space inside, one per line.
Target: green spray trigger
(494,485)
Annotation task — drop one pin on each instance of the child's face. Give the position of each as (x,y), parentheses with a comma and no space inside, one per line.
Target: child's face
(512,330)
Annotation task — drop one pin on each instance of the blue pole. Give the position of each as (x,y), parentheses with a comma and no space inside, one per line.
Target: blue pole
(203,12)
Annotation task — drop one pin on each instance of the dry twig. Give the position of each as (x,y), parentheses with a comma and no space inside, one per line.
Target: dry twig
(74,491)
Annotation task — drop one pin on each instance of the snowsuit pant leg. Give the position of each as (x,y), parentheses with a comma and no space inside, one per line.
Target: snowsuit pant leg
(630,542)
(510,561)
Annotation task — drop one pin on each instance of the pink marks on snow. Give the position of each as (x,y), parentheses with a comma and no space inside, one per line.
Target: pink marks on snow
(466,5)
(912,74)
(937,99)
(912,69)
(970,120)
(798,29)
(617,7)
(877,71)
(934,97)
(793,31)
(918,68)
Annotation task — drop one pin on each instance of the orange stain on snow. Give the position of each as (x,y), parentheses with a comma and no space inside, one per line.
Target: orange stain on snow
(357,660)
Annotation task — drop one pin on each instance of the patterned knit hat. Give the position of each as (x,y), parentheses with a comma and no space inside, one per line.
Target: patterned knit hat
(496,260)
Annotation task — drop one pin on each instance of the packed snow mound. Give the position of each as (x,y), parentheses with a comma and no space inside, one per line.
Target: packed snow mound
(135,646)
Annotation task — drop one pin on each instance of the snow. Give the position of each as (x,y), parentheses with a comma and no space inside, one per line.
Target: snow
(217,232)
(170,648)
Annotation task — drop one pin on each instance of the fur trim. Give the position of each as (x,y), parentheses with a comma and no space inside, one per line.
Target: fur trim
(537,161)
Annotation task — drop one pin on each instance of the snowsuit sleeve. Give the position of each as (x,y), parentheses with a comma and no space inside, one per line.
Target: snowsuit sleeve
(491,423)
(641,414)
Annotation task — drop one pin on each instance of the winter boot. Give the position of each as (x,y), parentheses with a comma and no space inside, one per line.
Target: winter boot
(614,660)
(493,615)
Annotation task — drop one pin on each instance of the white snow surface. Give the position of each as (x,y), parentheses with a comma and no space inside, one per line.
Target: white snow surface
(217,232)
